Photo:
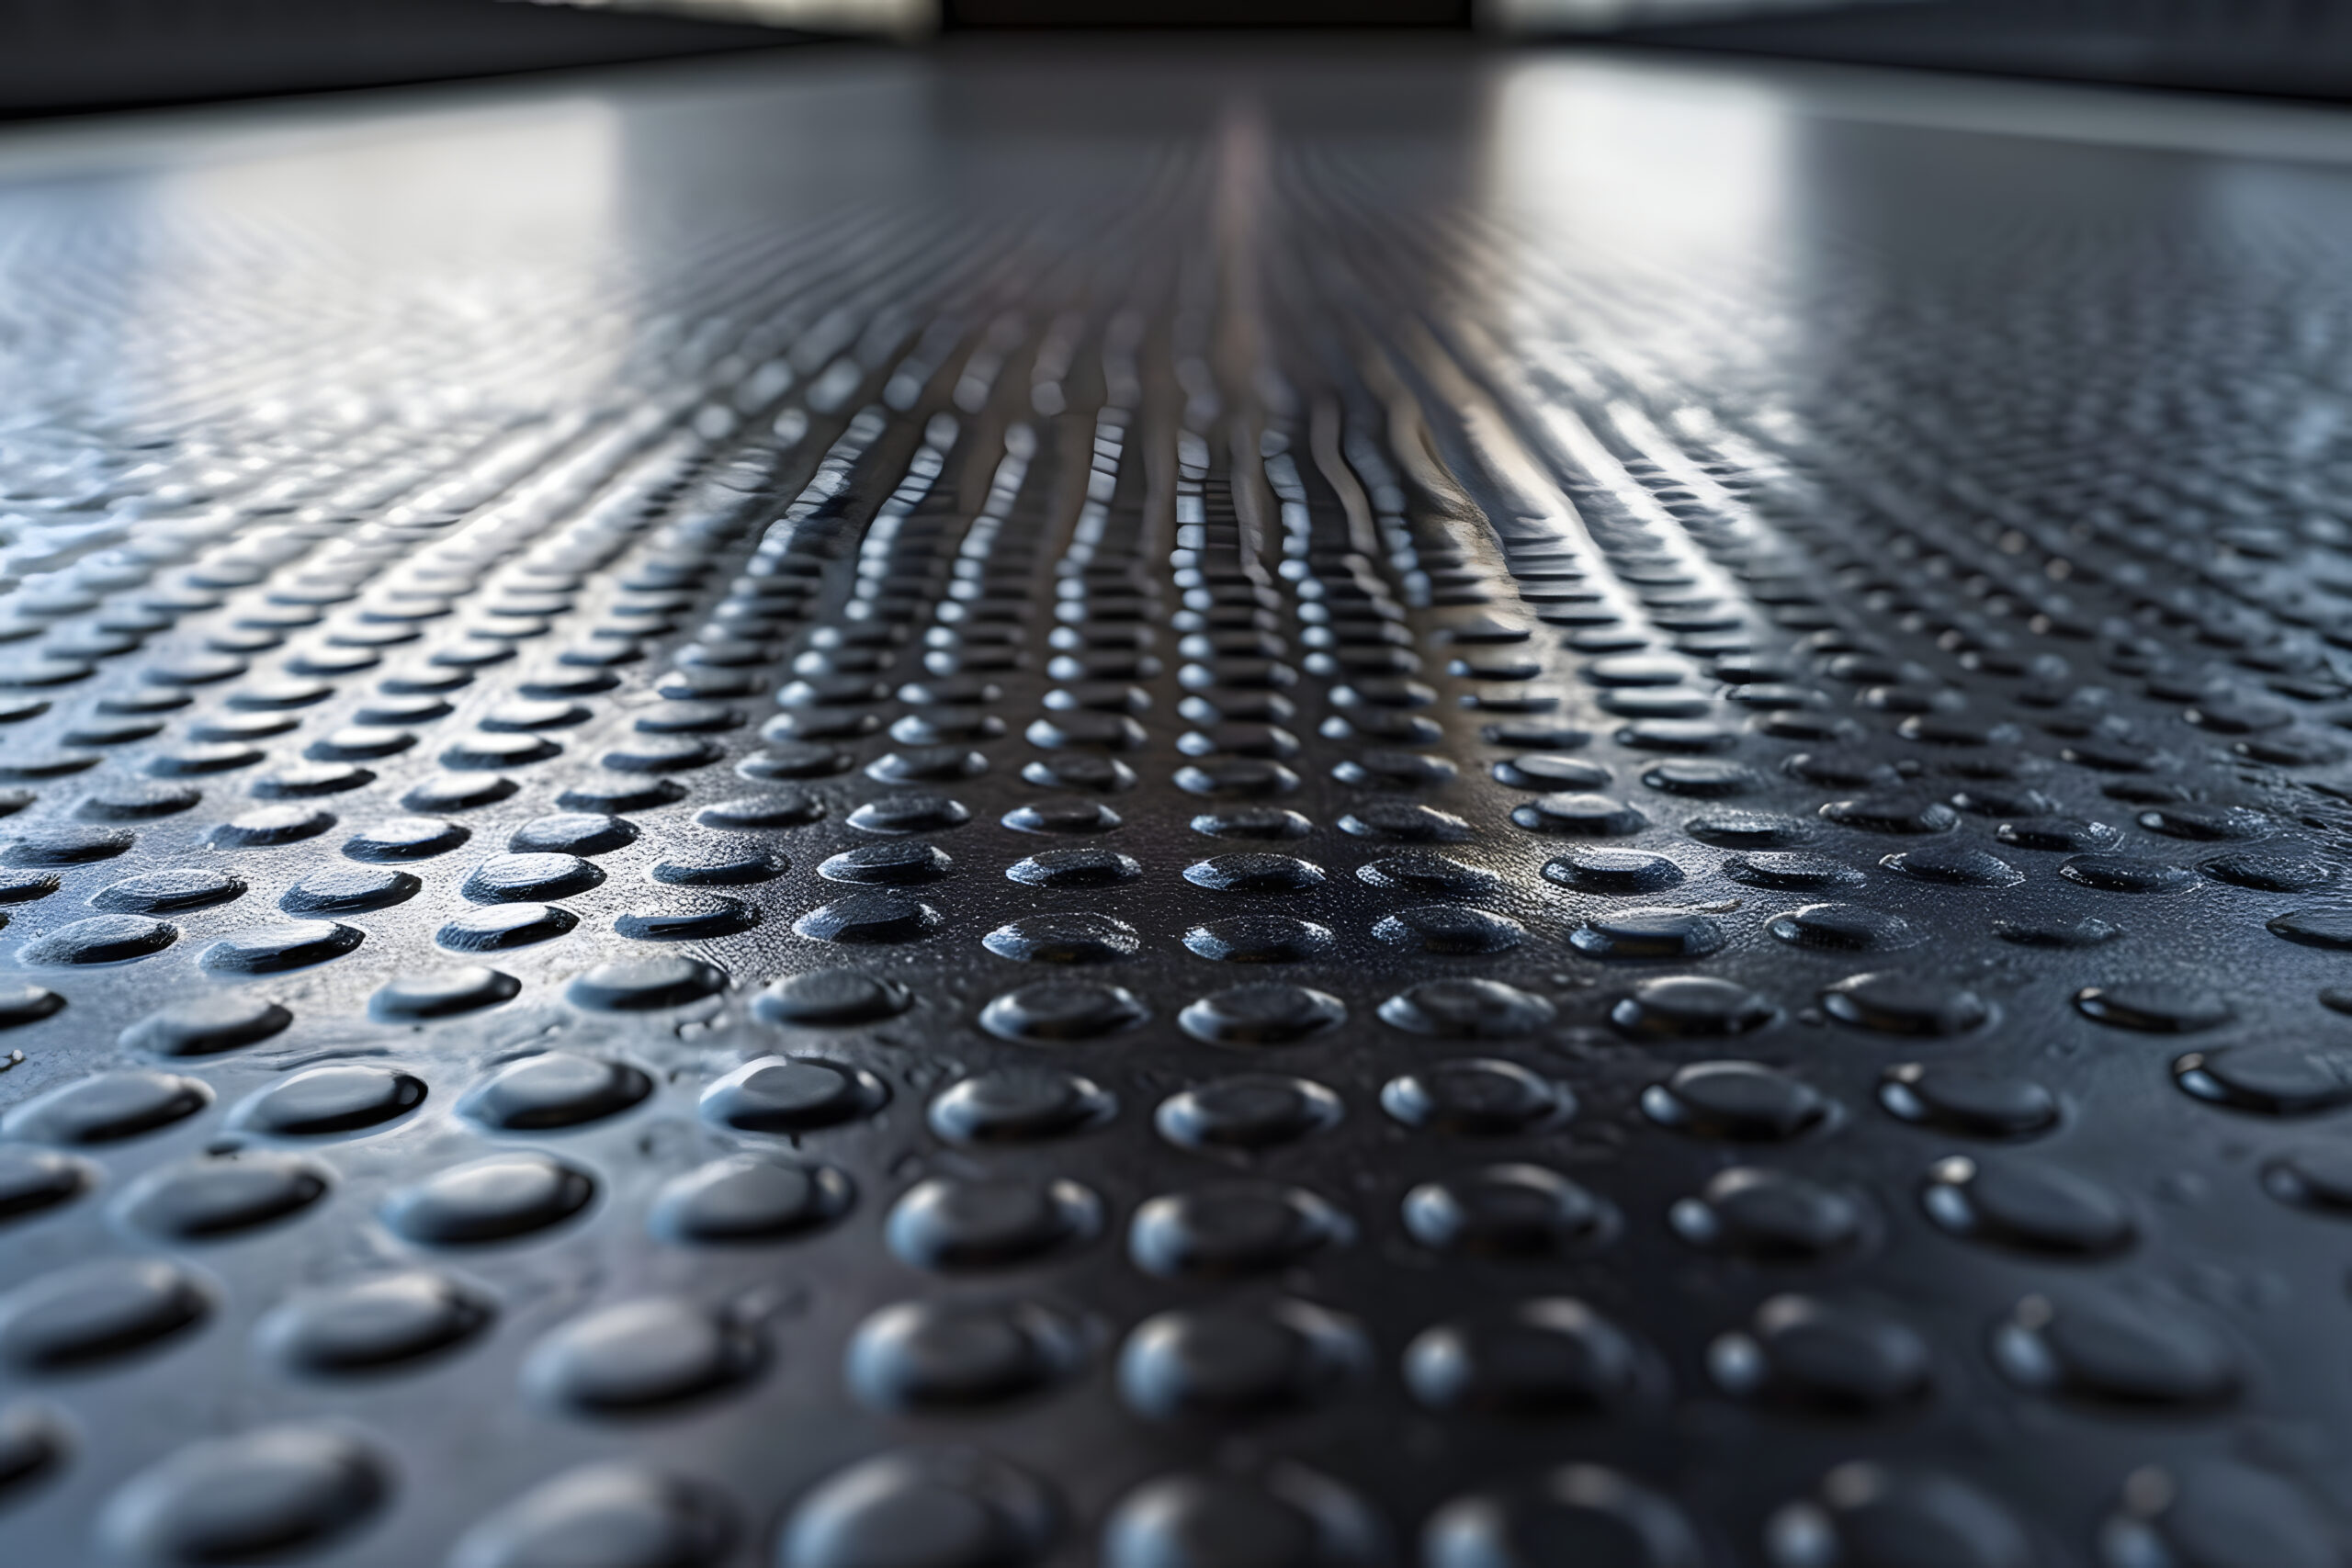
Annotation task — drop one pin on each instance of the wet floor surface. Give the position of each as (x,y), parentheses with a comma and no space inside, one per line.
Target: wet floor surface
(1175,810)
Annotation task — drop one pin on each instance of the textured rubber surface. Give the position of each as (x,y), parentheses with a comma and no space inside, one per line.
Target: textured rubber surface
(1094,811)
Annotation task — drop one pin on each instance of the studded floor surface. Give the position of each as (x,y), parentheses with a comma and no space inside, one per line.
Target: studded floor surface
(1180,811)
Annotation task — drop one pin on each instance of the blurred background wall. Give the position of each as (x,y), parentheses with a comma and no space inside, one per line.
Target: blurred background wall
(67,55)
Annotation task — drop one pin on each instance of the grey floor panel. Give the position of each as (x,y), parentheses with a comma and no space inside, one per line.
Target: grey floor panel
(1176,808)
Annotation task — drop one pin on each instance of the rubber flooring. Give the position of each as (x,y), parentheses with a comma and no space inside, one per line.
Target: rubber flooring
(1189,808)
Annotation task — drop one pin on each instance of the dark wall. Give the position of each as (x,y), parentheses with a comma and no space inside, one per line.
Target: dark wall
(1208,13)
(62,55)
(2294,47)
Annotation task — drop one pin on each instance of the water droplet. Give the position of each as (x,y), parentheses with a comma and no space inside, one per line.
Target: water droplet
(822,999)
(1825,1356)
(457,792)
(1476,1097)
(609,1515)
(1246,1112)
(922,1508)
(1267,1013)
(886,864)
(645,985)
(67,846)
(2197,821)
(696,916)
(107,1107)
(1404,822)
(2270,873)
(280,1491)
(208,1025)
(1061,817)
(1240,1360)
(1577,1512)
(1591,815)
(638,1355)
(2316,1178)
(33,1181)
(948,1355)
(405,838)
(1770,1216)
(499,928)
(2057,933)
(989,1222)
(492,1200)
(1449,929)
(1550,770)
(1612,871)
(1287,1518)
(1254,873)
(1891,1003)
(2154,1007)
(271,826)
(168,892)
(1019,1105)
(2027,1204)
(88,1312)
(1062,1010)
(1746,830)
(1742,1101)
(33,1445)
(1692,1007)
(2277,1079)
(535,877)
(1794,870)
(1651,933)
(373,1322)
(2102,1347)
(103,939)
(2314,928)
(2220,1513)
(863,918)
(1967,1100)
(1258,939)
(792,1094)
(556,1088)
(1955,864)
(746,1199)
(1229,1230)
(1466,1009)
(1892,814)
(2126,874)
(1508,1210)
(900,814)
(1869,1515)
(1259,822)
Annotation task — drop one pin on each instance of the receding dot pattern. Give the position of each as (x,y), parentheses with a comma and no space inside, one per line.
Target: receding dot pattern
(935,827)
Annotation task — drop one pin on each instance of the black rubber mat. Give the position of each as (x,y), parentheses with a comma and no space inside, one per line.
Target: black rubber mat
(1172,811)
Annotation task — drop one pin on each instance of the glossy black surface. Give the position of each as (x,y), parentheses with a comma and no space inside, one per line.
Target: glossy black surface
(1172,807)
